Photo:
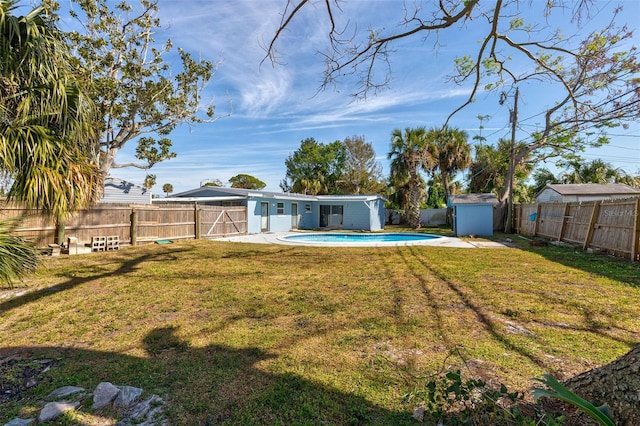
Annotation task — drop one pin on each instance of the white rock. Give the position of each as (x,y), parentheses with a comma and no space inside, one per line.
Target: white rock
(64,391)
(103,395)
(55,409)
(127,395)
(20,422)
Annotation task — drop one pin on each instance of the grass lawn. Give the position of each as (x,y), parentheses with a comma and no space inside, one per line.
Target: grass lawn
(244,334)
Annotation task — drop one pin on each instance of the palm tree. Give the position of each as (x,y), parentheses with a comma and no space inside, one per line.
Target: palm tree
(45,131)
(453,154)
(48,124)
(595,171)
(410,153)
(17,257)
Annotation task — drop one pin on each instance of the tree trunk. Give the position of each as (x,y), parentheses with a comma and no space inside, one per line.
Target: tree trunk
(616,384)
(414,212)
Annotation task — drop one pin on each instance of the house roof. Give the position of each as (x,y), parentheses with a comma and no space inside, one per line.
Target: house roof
(473,199)
(218,193)
(592,189)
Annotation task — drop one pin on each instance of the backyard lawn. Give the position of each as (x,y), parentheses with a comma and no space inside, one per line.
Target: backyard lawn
(236,334)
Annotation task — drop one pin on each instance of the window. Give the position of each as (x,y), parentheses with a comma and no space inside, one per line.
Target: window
(280,208)
(307,208)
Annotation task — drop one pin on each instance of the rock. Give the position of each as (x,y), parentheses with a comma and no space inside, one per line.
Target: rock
(64,392)
(418,413)
(55,409)
(127,395)
(140,411)
(20,422)
(103,395)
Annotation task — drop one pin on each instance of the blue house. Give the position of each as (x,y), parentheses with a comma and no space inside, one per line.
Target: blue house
(472,214)
(281,212)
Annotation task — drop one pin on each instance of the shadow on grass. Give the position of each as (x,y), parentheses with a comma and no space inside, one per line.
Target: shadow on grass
(483,318)
(618,269)
(201,386)
(127,266)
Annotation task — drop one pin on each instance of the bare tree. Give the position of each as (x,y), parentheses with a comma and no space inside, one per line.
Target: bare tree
(592,82)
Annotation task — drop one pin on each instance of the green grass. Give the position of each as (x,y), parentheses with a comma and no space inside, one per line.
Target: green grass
(269,334)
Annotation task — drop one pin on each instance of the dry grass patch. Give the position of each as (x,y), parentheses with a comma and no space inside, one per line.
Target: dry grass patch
(268,334)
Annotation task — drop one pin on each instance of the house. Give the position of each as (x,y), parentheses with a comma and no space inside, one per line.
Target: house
(472,213)
(566,193)
(281,212)
(120,191)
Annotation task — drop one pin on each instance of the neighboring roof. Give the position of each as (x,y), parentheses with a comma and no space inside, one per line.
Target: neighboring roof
(592,189)
(473,199)
(219,192)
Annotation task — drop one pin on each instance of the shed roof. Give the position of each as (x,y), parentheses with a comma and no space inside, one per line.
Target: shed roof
(592,189)
(473,199)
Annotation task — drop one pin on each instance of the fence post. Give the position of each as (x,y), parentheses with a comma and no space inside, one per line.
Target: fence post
(134,226)
(635,235)
(564,221)
(592,223)
(196,220)
(60,225)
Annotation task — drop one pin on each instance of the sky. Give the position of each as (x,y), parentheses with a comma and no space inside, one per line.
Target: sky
(267,109)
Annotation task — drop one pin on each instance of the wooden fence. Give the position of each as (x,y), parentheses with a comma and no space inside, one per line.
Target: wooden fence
(132,224)
(611,226)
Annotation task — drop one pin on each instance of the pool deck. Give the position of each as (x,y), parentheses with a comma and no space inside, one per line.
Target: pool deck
(274,238)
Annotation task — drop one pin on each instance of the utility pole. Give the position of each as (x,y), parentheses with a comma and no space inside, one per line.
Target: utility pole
(508,227)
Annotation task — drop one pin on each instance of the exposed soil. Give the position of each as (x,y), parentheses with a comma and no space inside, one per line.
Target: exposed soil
(19,374)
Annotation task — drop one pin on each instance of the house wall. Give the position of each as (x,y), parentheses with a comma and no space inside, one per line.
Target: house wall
(119,191)
(356,214)
(473,219)
(277,222)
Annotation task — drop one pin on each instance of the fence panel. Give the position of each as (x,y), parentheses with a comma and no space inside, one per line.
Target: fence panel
(33,226)
(612,226)
(526,218)
(577,222)
(613,229)
(222,221)
(550,220)
(152,222)
(101,221)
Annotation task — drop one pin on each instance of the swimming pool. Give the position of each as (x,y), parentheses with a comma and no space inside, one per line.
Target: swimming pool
(360,239)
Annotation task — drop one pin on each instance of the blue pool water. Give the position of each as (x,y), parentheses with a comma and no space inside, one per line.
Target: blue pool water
(364,238)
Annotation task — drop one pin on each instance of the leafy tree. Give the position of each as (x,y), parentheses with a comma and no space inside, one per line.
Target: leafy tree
(362,172)
(315,168)
(167,188)
(453,154)
(136,90)
(436,197)
(246,182)
(214,182)
(411,152)
(591,82)
(488,170)
(542,178)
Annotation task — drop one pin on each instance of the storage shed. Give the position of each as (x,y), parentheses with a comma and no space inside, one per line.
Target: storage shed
(472,214)
(568,193)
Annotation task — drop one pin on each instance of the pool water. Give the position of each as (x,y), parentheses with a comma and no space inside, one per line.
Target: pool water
(363,238)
